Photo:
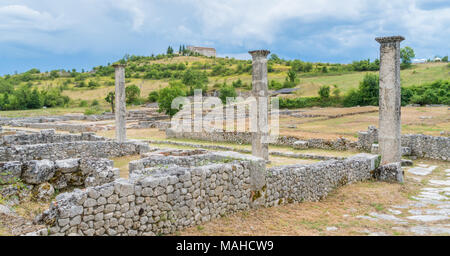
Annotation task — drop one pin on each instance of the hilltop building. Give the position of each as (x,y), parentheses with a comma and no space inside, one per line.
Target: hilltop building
(206,51)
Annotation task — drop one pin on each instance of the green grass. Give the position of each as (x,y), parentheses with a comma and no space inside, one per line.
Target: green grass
(417,74)
(41,112)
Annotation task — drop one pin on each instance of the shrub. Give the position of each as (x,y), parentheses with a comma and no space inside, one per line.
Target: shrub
(226,91)
(83,103)
(153,96)
(324,92)
(94,110)
(167,95)
(132,93)
(93,84)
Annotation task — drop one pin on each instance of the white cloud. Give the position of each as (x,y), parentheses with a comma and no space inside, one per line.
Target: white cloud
(19,17)
(133,7)
(322,27)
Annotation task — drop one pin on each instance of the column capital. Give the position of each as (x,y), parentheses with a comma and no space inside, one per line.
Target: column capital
(389,39)
(259,53)
(118,65)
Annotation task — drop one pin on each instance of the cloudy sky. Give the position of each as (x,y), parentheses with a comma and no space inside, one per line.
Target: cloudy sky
(52,34)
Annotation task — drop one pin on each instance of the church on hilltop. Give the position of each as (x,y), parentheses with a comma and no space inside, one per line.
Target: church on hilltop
(206,51)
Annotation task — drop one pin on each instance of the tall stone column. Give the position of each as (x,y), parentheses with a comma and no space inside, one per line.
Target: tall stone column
(121,110)
(389,133)
(260,91)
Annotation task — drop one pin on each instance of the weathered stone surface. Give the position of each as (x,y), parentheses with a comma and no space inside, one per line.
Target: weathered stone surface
(10,171)
(45,192)
(38,171)
(120,110)
(421,170)
(301,144)
(67,165)
(260,138)
(389,172)
(389,100)
(170,192)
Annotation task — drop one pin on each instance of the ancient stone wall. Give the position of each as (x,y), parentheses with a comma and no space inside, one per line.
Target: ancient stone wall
(58,126)
(312,182)
(174,193)
(60,173)
(245,138)
(425,146)
(46,136)
(75,149)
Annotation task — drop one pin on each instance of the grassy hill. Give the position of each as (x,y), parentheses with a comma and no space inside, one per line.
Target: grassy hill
(150,74)
(309,82)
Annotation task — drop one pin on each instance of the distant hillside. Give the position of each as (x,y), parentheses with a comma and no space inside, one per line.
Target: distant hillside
(151,73)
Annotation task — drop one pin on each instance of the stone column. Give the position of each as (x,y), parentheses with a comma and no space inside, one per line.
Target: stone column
(121,110)
(260,91)
(389,133)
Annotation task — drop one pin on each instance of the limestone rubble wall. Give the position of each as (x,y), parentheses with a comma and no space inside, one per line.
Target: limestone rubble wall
(59,173)
(46,136)
(75,149)
(171,197)
(424,146)
(245,138)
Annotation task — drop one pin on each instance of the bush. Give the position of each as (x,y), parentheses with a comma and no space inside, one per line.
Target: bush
(299,102)
(83,103)
(167,95)
(324,92)
(94,110)
(93,84)
(367,93)
(437,92)
(353,98)
(153,96)
(226,91)
(132,93)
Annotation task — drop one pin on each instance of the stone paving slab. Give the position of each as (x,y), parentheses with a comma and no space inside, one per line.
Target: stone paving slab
(421,170)
(427,218)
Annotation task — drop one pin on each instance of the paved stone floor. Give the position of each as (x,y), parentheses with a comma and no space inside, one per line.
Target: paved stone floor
(427,213)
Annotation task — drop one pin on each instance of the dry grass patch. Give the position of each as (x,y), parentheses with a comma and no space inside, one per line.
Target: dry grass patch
(122,164)
(339,209)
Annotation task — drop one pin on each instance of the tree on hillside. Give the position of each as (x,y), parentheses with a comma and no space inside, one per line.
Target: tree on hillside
(406,55)
(274,57)
(324,92)
(169,50)
(227,91)
(34,101)
(195,79)
(291,76)
(167,95)
(110,99)
(132,93)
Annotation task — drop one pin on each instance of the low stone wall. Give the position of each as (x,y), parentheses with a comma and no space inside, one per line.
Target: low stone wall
(151,124)
(46,136)
(425,146)
(76,149)
(75,128)
(312,182)
(245,138)
(60,173)
(245,151)
(173,192)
